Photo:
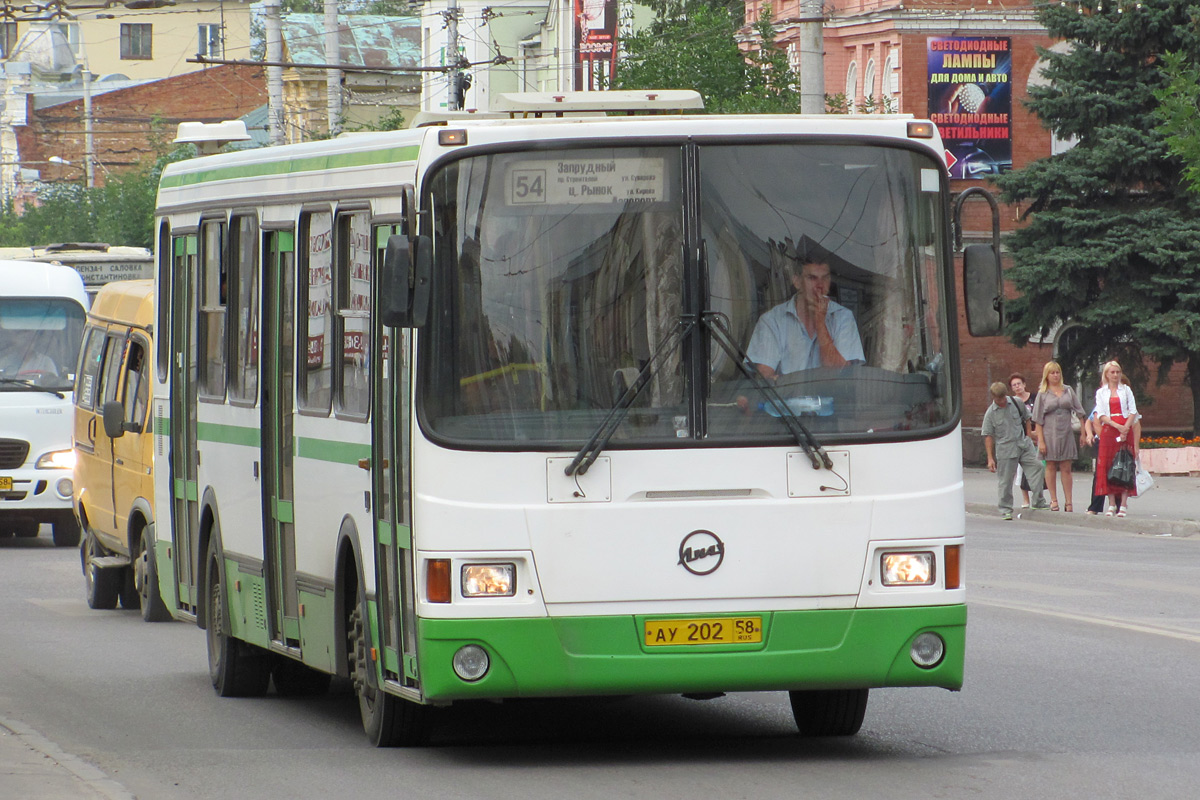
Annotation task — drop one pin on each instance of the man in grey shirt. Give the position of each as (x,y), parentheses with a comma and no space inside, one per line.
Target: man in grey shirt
(1008,445)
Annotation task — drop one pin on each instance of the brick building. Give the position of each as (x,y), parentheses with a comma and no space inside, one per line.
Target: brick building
(127,122)
(877,54)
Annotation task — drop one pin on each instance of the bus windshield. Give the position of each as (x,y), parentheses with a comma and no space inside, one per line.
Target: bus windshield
(561,274)
(39,342)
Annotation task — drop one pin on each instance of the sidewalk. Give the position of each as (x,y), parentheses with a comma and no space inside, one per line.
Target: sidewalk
(34,768)
(1171,508)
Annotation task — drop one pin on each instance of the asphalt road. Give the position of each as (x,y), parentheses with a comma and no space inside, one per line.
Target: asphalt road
(1081,682)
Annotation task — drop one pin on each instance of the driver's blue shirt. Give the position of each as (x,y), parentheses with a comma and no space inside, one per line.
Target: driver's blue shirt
(780,340)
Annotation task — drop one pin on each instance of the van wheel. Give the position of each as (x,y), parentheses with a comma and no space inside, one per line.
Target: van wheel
(829,712)
(237,669)
(66,532)
(101,585)
(388,721)
(145,580)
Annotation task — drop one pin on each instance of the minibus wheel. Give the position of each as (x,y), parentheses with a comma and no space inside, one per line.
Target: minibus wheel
(101,585)
(145,578)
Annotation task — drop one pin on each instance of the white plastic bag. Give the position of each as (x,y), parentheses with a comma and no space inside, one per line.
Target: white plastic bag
(1145,481)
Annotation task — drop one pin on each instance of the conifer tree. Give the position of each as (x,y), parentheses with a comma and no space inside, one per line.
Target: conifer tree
(1113,240)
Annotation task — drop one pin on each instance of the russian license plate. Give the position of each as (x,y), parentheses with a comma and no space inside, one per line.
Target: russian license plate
(715,630)
(6,484)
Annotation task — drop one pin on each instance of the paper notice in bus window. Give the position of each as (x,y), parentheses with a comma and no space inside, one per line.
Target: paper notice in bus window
(571,181)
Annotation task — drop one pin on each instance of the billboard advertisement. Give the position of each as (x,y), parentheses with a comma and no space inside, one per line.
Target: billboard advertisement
(970,101)
(595,43)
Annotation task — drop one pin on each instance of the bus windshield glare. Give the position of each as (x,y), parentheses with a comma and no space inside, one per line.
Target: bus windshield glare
(559,274)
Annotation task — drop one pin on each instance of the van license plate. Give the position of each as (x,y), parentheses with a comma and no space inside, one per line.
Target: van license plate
(6,484)
(715,630)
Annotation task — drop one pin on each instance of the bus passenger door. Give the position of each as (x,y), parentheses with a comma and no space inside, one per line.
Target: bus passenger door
(185,506)
(391,489)
(278,439)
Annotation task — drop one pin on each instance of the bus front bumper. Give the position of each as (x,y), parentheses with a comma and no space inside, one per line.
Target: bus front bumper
(576,656)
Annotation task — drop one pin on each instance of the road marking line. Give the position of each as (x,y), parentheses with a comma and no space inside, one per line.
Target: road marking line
(1103,621)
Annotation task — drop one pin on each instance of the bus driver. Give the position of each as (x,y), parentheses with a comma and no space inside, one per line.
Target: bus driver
(808,330)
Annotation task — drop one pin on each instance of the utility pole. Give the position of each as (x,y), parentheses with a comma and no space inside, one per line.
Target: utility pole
(333,77)
(452,46)
(274,36)
(812,58)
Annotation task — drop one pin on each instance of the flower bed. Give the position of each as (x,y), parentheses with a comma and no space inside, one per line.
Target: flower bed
(1177,460)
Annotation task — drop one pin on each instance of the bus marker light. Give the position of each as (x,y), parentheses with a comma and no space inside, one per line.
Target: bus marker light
(489,580)
(448,137)
(471,662)
(953,566)
(907,569)
(437,580)
(928,649)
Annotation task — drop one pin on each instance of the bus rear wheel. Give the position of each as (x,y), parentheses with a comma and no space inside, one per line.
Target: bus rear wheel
(388,721)
(237,669)
(829,712)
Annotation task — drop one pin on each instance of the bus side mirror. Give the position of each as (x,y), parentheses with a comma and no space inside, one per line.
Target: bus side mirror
(981,290)
(114,419)
(404,282)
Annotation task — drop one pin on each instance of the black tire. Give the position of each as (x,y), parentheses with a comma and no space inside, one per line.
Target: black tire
(128,593)
(237,669)
(101,586)
(829,712)
(66,532)
(294,679)
(388,721)
(26,529)
(145,581)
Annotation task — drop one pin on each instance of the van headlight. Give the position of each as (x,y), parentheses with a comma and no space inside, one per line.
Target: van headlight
(907,569)
(57,459)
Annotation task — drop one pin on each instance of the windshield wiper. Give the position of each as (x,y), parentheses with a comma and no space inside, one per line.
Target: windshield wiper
(30,386)
(588,454)
(715,323)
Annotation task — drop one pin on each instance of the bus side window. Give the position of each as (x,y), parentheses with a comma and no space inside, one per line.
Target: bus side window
(242,301)
(213,289)
(352,274)
(314,317)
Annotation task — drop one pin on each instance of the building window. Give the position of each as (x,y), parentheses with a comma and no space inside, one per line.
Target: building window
(135,41)
(70,32)
(209,42)
(852,84)
(869,80)
(8,38)
(891,74)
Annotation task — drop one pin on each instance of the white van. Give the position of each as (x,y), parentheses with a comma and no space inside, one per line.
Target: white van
(42,312)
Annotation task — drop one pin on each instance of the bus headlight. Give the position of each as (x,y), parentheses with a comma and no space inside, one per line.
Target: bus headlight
(57,459)
(907,569)
(489,580)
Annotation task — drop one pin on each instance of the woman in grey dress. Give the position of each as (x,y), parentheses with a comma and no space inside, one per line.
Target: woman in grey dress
(1052,411)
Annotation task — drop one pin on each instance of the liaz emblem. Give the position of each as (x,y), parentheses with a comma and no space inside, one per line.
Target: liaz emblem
(701,552)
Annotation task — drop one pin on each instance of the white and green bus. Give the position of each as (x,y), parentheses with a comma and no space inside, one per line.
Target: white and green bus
(465,412)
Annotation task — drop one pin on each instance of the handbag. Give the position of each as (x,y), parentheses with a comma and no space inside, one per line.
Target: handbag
(1145,481)
(1122,471)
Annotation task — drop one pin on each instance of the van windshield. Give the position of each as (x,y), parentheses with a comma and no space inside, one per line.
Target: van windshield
(39,342)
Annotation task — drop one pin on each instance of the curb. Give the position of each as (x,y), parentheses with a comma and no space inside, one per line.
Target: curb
(1181,529)
(82,775)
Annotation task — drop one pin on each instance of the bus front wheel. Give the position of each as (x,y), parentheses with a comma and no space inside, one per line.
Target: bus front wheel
(829,712)
(237,669)
(388,721)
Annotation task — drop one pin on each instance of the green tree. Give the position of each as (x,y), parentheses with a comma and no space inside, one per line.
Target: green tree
(691,44)
(1179,114)
(1113,240)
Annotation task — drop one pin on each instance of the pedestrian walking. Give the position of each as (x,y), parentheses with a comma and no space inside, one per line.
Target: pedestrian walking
(1006,439)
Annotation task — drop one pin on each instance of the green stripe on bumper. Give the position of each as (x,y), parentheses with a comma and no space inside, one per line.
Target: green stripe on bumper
(852,648)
